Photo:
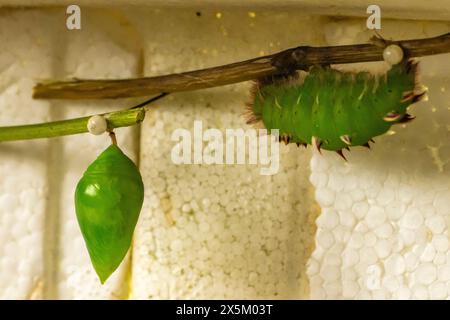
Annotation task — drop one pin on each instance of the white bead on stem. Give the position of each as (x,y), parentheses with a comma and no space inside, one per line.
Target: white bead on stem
(97,125)
(393,54)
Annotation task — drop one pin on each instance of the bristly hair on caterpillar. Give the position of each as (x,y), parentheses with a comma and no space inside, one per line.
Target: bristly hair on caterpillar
(335,110)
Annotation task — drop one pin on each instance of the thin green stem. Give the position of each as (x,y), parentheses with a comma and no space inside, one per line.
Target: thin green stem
(123,118)
(117,119)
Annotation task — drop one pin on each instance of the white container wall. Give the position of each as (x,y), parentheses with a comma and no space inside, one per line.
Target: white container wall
(375,227)
(42,251)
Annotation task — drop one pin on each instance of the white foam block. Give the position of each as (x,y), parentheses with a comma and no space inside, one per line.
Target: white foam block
(42,253)
(385,212)
(218,231)
(24,55)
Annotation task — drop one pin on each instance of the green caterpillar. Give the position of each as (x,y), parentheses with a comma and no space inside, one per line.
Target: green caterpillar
(334,110)
(108,200)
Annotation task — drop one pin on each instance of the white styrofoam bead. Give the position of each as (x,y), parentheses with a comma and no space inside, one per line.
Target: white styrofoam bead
(8,202)
(420,292)
(395,211)
(426,273)
(391,283)
(375,217)
(438,290)
(186,208)
(385,197)
(370,239)
(325,197)
(342,233)
(318,293)
(436,224)
(350,257)
(428,253)
(97,125)
(325,239)
(333,259)
(383,248)
(368,255)
(206,202)
(362,227)
(349,274)
(440,258)
(346,218)
(328,219)
(356,240)
(441,242)
(357,194)
(407,236)
(380,294)
(334,289)
(343,202)
(330,273)
(403,293)
(412,219)
(313,267)
(395,264)
(384,231)
(349,289)
(360,209)
(444,273)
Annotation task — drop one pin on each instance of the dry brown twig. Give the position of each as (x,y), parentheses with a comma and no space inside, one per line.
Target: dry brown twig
(290,59)
(276,64)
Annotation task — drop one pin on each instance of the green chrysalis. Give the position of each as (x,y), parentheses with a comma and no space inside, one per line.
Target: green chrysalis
(334,110)
(108,200)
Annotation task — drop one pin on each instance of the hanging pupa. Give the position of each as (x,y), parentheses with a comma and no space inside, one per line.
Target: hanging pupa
(108,200)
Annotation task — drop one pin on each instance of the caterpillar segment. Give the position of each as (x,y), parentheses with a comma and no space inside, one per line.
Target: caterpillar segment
(334,110)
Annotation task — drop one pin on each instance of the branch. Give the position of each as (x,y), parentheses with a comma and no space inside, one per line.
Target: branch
(279,63)
(123,118)
(67,127)
(293,59)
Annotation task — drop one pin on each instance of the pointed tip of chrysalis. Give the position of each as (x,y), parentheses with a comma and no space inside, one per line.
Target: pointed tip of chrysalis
(104,270)
(103,277)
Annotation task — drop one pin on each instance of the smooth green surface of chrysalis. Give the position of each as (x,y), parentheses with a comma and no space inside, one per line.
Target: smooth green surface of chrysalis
(108,200)
(335,110)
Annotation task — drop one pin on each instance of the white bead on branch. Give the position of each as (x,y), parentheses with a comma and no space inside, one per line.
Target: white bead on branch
(393,54)
(97,125)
